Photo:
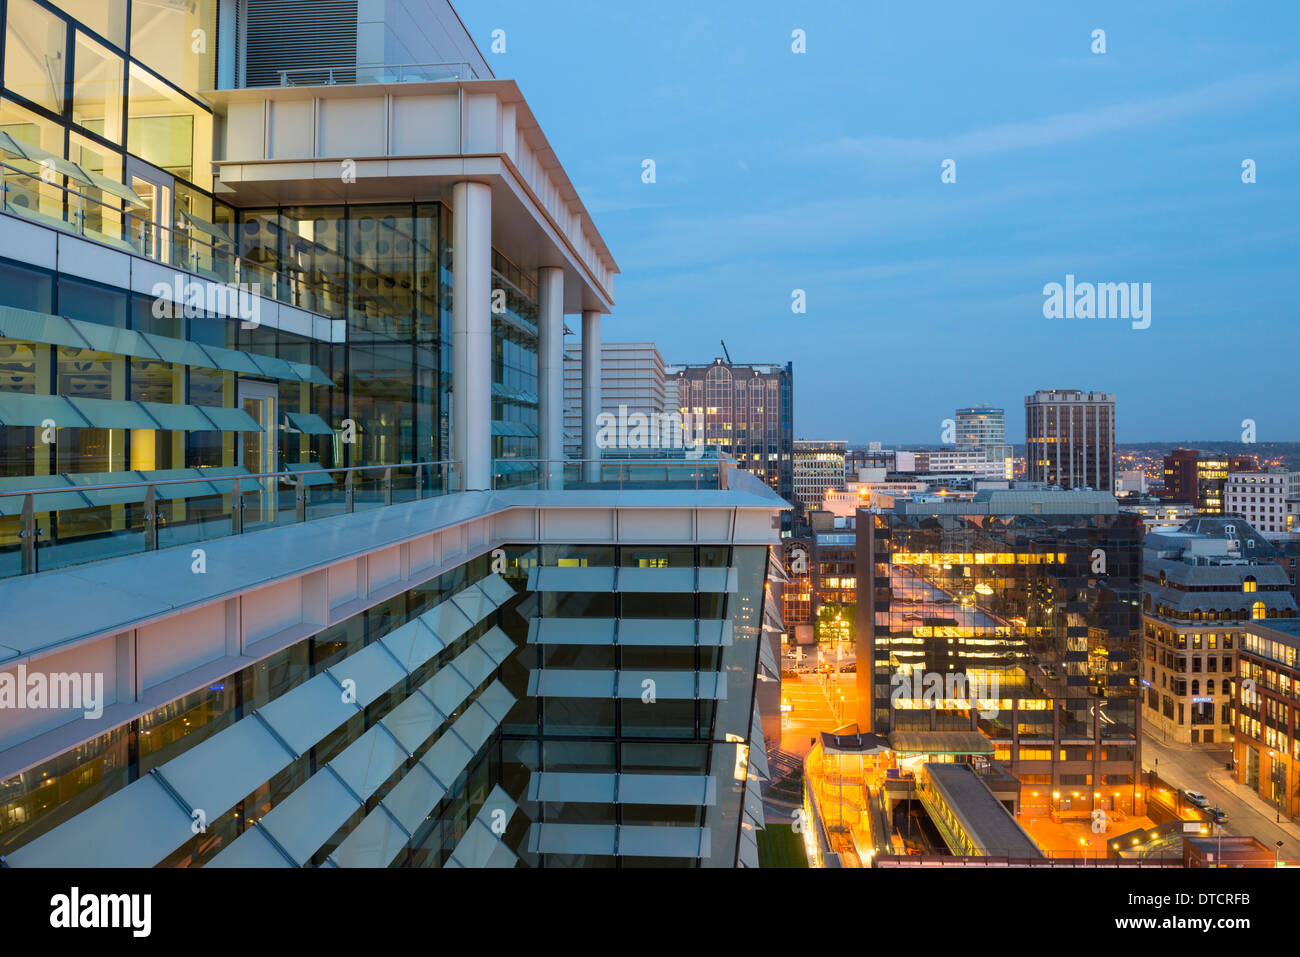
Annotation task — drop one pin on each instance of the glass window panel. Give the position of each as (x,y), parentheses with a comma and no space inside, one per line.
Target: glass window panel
(168,130)
(92,303)
(97,89)
(35,55)
(20,366)
(103,211)
(105,17)
(26,192)
(26,288)
(177,40)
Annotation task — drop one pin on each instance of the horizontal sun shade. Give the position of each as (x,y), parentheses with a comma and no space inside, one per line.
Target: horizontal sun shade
(605,788)
(72,170)
(633,580)
(313,473)
(626,840)
(23,325)
(230,420)
(145,821)
(644,632)
(514,429)
(34,411)
(481,846)
(208,481)
(602,683)
(309,423)
(204,226)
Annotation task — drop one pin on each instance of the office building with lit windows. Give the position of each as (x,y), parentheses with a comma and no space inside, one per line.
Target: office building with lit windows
(818,469)
(283,291)
(1028,598)
(1070,438)
(1263,498)
(985,428)
(1266,731)
(1201,478)
(1201,584)
(747,412)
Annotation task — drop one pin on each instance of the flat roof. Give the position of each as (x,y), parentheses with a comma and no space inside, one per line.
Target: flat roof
(940,742)
(983,817)
(1286,629)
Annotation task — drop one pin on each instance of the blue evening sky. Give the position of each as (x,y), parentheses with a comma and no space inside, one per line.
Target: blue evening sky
(821,172)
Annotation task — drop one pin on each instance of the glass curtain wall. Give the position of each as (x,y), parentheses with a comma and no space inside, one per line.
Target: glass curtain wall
(79,86)
(627,735)
(387,269)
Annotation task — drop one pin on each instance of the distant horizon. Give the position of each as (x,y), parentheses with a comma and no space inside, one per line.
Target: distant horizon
(919,177)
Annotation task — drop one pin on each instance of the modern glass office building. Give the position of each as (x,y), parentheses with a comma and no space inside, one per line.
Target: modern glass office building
(1032,599)
(283,496)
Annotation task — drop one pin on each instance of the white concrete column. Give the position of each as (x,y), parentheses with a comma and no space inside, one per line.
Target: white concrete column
(590,392)
(550,374)
(471,338)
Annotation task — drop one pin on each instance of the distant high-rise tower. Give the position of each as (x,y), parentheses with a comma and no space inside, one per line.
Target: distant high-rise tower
(981,427)
(748,412)
(985,428)
(1071,438)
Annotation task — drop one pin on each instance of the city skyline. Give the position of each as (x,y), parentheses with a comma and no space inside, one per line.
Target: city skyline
(1117,167)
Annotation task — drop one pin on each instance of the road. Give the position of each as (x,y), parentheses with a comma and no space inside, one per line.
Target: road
(1198,770)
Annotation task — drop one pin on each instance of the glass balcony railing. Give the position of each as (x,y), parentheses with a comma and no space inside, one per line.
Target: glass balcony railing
(626,474)
(203,248)
(62,520)
(378,73)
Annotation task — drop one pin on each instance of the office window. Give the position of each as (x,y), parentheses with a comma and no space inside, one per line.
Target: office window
(105,17)
(97,89)
(168,130)
(177,41)
(35,54)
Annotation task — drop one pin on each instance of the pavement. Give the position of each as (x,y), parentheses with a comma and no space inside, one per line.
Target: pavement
(815,708)
(1193,767)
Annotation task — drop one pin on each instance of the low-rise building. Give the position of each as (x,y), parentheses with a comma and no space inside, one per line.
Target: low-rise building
(1202,584)
(1262,498)
(818,470)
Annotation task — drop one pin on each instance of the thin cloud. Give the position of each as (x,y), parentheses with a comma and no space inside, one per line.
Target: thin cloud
(1068,127)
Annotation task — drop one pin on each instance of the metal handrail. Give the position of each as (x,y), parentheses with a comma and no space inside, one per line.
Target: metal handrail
(463,71)
(223,478)
(29,531)
(169,237)
(592,471)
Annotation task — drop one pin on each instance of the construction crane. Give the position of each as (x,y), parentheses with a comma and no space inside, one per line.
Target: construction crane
(725,352)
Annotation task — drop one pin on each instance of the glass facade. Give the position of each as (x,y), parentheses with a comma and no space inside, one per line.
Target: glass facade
(686,738)
(1041,640)
(629,734)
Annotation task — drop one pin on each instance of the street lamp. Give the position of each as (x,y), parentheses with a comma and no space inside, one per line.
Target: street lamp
(1276,853)
(1084,842)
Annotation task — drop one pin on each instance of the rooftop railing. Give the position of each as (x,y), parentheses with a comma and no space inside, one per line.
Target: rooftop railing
(70,524)
(609,474)
(378,73)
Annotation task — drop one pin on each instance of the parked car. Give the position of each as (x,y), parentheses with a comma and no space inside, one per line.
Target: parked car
(1218,815)
(1196,798)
